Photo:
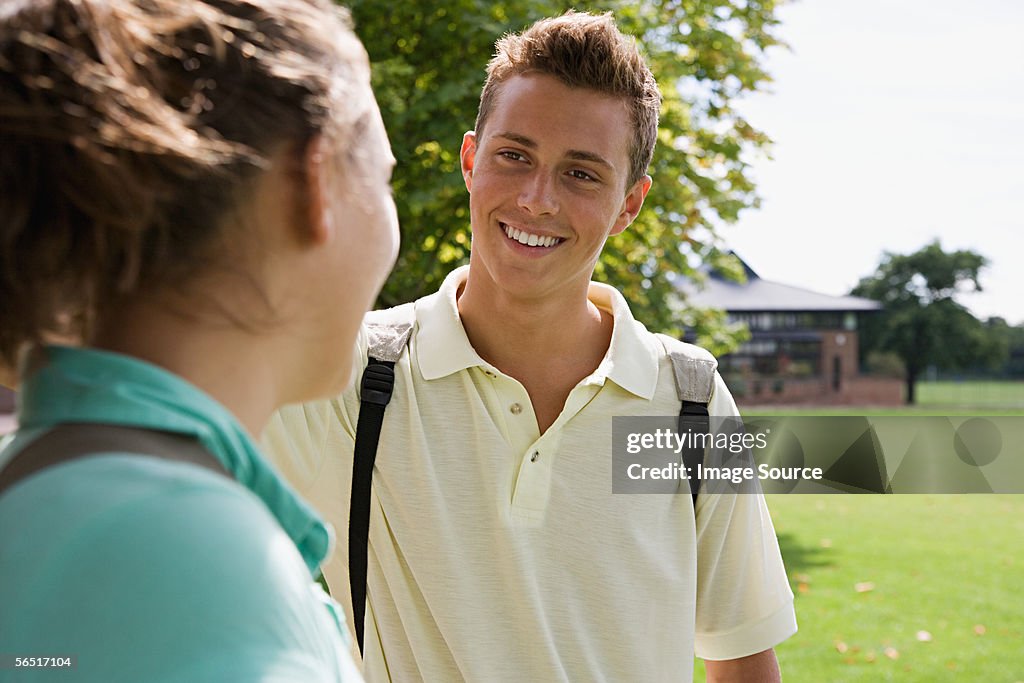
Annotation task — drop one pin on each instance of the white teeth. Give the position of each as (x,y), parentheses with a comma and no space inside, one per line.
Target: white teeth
(526,238)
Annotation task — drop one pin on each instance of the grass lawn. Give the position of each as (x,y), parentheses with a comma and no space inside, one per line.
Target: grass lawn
(974,394)
(904,588)
(922,410)
(933,398)
(908,588)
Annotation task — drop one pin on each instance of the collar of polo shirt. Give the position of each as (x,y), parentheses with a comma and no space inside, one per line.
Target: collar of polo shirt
(442,347)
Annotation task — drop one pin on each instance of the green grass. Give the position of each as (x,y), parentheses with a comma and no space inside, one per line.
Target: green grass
(951,566)
(974,394)
(933,398)
(922,410)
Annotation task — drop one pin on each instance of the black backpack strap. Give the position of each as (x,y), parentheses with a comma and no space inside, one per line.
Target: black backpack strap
(693,417)
(376,388)
(388,334)
(694,371)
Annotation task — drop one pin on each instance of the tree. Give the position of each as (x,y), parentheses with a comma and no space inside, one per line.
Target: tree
(1002,334)
(922,322)
(428,62)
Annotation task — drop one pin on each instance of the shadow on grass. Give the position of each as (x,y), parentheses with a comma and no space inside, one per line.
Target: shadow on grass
(800,558)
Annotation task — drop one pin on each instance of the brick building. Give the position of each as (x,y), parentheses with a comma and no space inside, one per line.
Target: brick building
(803,345)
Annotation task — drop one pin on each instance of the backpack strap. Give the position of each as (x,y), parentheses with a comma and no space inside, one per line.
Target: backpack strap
(694,371)
(67,442)
(388,334)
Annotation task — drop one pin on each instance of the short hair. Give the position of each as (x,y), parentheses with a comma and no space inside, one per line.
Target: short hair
(582,51)
(130,129)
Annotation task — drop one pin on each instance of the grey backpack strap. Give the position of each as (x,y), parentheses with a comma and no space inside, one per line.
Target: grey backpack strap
(68,442)
(388,334)
(694,371)
(388,331)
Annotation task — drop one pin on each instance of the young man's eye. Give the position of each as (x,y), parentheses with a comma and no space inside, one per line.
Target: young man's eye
(581,175)
(511,156)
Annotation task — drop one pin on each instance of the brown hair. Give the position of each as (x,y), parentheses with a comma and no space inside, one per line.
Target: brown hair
(129,129)
(582,51)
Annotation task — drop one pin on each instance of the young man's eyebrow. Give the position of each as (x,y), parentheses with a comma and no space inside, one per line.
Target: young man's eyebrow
(519,139)
(577,154)
(581,155)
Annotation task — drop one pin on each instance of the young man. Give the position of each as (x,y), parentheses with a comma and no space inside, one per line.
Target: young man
(497,550)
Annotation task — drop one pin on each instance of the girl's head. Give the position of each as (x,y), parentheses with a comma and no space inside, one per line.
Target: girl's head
(153,147)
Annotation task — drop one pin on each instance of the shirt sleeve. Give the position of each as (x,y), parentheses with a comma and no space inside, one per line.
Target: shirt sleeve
(744,602)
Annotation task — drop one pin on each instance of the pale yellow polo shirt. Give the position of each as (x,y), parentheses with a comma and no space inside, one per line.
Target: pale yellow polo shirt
(500,554)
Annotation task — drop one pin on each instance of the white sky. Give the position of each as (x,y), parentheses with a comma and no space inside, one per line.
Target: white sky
(895,122)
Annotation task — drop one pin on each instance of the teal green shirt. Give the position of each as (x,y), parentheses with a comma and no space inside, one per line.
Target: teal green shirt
(145,569)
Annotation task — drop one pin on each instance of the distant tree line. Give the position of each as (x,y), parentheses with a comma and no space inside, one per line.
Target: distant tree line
(1010,338)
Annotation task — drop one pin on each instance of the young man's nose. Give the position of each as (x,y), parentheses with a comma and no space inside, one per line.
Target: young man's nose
(538,195)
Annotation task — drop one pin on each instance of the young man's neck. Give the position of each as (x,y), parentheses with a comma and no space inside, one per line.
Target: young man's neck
(561,338)
(491,314)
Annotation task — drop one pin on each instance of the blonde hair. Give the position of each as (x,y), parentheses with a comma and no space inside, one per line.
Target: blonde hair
(582,51)
(129,128)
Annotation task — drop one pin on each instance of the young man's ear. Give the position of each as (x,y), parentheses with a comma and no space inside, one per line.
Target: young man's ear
(317,219)
(468,157)
(632,204)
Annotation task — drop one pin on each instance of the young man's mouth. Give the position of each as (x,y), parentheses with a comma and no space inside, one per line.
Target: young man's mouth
(529,239)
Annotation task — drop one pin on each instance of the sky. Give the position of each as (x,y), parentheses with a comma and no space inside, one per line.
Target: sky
(895,123)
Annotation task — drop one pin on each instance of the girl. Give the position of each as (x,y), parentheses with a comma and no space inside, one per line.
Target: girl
(195,194)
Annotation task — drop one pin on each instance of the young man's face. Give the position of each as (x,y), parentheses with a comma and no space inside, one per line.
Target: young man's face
(550,169)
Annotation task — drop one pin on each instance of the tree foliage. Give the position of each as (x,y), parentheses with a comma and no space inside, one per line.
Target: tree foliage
(428,60)
(922,322)
(1002,335)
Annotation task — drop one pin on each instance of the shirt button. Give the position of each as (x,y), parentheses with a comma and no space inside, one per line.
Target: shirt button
(515,408)
(533,458)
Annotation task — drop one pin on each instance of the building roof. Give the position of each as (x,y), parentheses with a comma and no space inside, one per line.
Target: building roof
(758,294)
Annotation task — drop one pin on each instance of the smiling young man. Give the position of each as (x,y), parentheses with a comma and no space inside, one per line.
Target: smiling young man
(496,548)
